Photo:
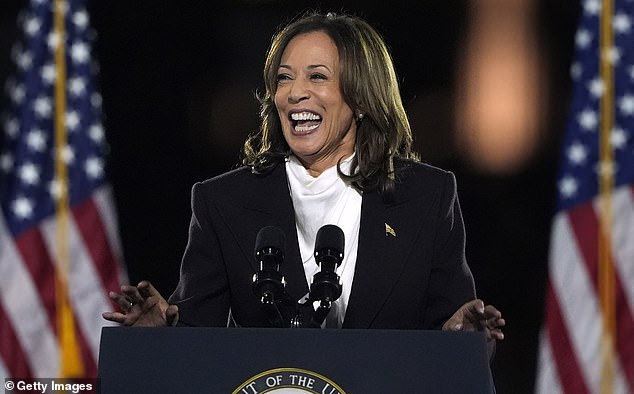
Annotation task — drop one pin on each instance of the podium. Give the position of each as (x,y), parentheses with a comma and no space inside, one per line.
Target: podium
(278,361)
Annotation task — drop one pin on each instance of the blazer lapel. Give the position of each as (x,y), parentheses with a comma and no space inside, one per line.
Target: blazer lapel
(386,235)
(269,204)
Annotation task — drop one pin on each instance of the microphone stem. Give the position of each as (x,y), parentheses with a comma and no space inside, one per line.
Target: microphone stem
(320,314)
(275,316)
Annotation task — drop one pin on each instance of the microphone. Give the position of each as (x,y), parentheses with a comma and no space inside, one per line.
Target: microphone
(268,282)
(326,284)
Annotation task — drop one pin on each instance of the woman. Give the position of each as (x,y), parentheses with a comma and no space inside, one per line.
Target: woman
(334,147)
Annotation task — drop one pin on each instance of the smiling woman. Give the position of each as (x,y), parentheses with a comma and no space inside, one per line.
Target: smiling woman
(319,126)
(350,63)
(333,150)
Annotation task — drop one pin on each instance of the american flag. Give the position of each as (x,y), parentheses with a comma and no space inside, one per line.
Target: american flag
(59,248)
(587,341)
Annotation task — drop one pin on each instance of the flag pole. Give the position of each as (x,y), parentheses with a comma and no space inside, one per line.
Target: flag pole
(70,360)
(606,273)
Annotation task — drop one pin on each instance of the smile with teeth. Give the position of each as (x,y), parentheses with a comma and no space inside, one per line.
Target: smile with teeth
(305,121)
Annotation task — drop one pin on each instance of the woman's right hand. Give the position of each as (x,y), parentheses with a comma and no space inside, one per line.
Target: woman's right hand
(142,306)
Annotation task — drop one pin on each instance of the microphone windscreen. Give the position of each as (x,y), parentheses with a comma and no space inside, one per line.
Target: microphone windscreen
(330,237)
(270,237)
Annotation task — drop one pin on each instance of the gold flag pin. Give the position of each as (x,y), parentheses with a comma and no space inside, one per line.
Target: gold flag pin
(389,230)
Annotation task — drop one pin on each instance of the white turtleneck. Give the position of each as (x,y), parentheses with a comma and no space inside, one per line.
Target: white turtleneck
(326,199)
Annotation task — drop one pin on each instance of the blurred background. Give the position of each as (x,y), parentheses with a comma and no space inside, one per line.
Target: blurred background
(486,85)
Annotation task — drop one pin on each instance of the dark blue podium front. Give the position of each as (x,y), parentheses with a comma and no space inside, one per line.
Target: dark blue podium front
(257,360)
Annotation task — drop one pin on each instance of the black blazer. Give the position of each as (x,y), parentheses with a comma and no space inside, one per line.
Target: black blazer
(413,278)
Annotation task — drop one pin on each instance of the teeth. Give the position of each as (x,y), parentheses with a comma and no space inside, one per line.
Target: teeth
(302,129)
(305,116)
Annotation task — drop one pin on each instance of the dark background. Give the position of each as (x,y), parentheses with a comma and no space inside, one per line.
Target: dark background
(178,82)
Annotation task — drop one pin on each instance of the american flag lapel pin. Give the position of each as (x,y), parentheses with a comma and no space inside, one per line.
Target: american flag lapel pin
(389,230)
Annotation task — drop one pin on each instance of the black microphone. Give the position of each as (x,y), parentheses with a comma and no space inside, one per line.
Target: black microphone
(326,285)
(268,282)
(329,245)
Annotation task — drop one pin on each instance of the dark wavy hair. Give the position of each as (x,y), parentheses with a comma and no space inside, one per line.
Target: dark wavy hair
(369,87)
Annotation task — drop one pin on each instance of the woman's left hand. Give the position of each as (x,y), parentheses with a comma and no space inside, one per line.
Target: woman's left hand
(475,316)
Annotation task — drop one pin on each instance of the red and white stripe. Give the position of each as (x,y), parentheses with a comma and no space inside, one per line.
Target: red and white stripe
(28,327)
(570,349)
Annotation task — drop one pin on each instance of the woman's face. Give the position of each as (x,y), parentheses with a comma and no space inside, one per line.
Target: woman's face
(317,123)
